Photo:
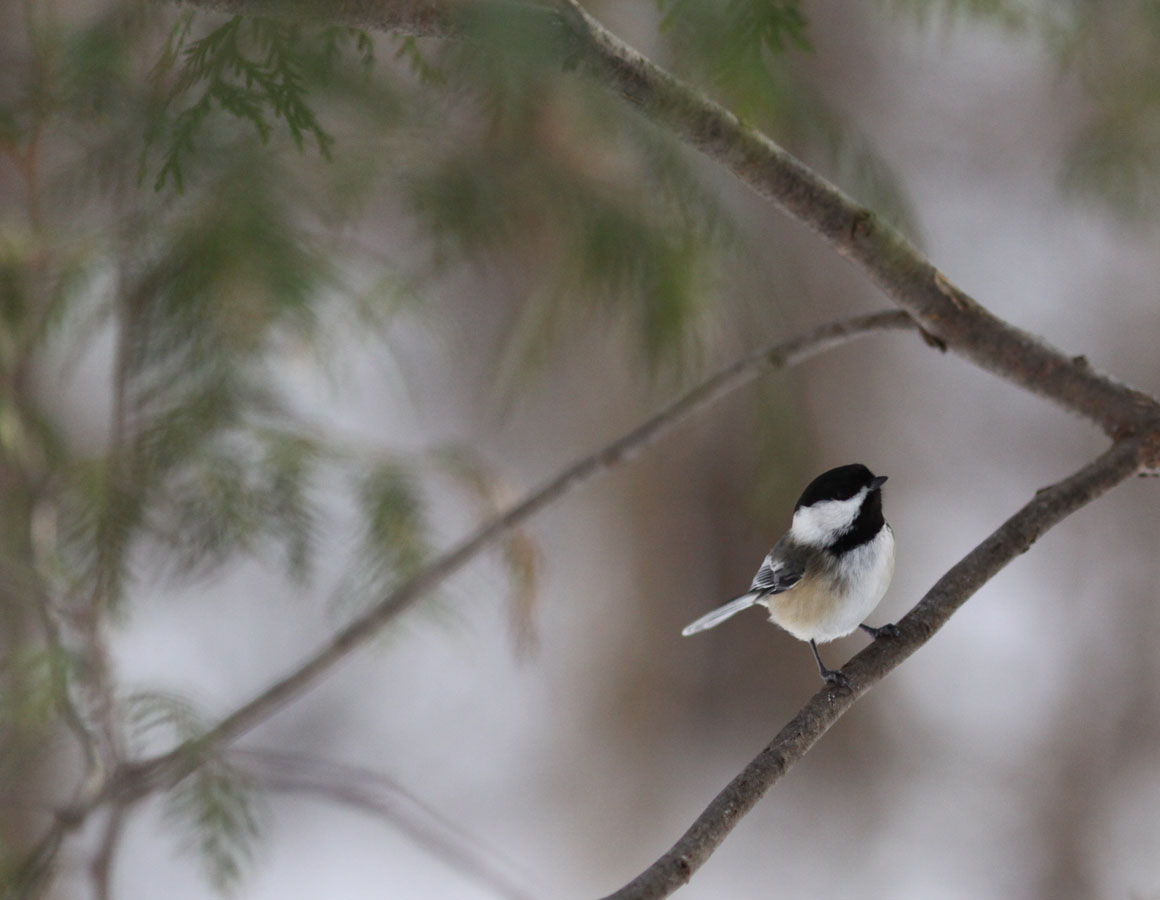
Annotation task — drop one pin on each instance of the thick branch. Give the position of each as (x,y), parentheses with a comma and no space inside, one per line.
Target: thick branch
(904,274)
(179,762)
(1015,536)
(857,233)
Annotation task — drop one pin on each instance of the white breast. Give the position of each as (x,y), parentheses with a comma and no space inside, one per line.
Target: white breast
(834,604)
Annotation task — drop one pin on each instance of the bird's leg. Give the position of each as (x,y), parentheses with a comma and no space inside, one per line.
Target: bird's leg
(886,631)
(829,676)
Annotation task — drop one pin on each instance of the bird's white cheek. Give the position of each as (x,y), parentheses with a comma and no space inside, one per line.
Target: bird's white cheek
(817,525)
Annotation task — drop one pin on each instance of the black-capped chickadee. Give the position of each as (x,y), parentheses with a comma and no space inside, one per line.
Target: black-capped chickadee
(830,570)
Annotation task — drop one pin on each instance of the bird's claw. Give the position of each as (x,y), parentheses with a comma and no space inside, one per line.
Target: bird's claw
(835,678)
(883,631)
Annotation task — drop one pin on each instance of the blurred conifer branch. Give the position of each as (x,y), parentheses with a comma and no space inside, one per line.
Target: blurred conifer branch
(521,554)
(376,794)
(857,232)
(250,69)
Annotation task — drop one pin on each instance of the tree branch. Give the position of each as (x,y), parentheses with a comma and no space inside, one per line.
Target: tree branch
(101,867)
(857,233)
(174,765)
(905,275)
(1048,507)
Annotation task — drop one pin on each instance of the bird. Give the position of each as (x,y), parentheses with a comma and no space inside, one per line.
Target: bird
(829,571)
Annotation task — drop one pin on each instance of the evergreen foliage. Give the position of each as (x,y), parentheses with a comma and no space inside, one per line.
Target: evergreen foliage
(253,69)
(211,810)
(1116,158)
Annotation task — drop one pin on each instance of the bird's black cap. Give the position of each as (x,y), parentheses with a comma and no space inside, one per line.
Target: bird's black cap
(841,483)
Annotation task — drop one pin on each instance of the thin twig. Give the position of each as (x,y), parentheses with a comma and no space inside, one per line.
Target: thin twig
(375,793)
(53,620)
(89,617)
(1048,507)
(49,618)
(177,763)
(101,868)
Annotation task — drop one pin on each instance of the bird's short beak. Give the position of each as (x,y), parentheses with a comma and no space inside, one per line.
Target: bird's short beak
(877,482)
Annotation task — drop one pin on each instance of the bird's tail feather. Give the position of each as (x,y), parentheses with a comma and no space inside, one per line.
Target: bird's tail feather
(721,613)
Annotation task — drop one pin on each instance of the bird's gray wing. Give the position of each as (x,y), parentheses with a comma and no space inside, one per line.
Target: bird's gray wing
(780,571)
